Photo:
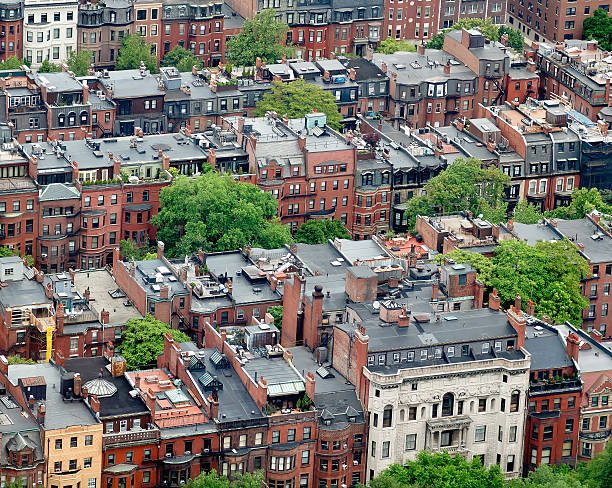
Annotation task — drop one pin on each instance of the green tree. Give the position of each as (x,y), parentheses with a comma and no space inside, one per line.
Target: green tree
(47,67)
(549,273)
(297,99)
(181,59)
(599,27)
(606,196)
(390,46)
(12,62)
(436,41)
(583,202)
(263,36)
(142,341)
(277,312)
(215,213)
(418,205)
(597,473)
(440,470)
(134,50)
(483,265)
(526,213)
(19,360)
(466,184)
(79,62)
(320,231)
(515,39)
(129,250)
(211,479)
(496,214)
(548,477)
(487,27)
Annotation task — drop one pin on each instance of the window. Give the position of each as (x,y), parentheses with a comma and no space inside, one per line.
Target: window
(547,434)
(603,422)
(510,463)
(386,448)
(306,434)
(482,404)
(410,444)
(58,443)
(480,433)
(387,416)
(569,425)
(373,449)
(275,436)
(512,434)
(514,401)
(305,457)
(545,459)
(89,440)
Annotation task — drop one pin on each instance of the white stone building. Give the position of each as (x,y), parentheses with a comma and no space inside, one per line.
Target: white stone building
(49,30)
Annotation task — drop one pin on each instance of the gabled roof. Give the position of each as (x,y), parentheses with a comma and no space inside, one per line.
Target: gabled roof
(58,191)
(20,442)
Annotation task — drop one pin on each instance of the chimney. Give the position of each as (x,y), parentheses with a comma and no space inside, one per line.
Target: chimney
(434,292)
(4,365)
(213,412)
(284,59)
(42,410)
(49,291)
(596,335)
(369,53)
(258,62)
(310,386)
(421,49)
(404,318)
(352,74)
(212,157)
(165,162)
(510,225)
(40,276)
(273,282)
(302,142)
(447,68)
(137,381)
(87,294)
(530,308)
(580,246)
(84,392)
(494,300)
(229,286)
(504,40)
(160,249)
(31,402)
(519,324)
(572,346)
(326,76)
(194,70)
(118,366)
(116,168)
(240,124)
(77,385)
(393,282)
(105,316)
(94,403)
(59,319)
(75,171)
(183,273)
(478,294)
(163,292)
(517,302)
(383,67)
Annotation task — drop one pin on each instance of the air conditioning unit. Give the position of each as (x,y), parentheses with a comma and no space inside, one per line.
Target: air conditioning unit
(168,454)
(43,256)
(206,450)
(355,462)
(187,452)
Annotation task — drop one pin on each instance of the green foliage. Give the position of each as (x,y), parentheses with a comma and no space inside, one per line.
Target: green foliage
(215,213)
(319,231)
(583,202)
(12,62)
(598,472)
(181,59)
(297,99)
(5,252)
(47,67)
(79,62)
(599,27)
(277,312)
(495,215)
(262,37)
(418,205)
(211,479)
(526,213)
(487,27)
(606,196)
(390,46)
(440,470)
(143,340)
(134,50)
(304,403)
(548,477)
(466,185)
(19,360)
(174,172)
(129,250)
(482,264)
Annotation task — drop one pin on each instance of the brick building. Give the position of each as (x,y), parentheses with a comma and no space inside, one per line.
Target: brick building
(11,24)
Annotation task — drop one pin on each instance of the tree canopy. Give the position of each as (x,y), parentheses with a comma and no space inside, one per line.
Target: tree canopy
(47,67)
(390,46)
(548,273)
(264,36)
(319,231)
(487,27)
(277,312)
(599,27)
(526,213)
(215,213)
(548,477)
(297,99)
(130,250)
(142,341)
(134,50)
(181,59)
(211,479)
(465,185)
(79,62)
(12,62)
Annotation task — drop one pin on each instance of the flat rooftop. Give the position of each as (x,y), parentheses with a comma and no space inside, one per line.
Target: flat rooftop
(598,250)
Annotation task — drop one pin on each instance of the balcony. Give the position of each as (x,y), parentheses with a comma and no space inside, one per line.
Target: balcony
(132,437)
(545,388)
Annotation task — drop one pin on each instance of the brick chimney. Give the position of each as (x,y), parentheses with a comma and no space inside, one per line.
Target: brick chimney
(212,155)
(116,167)
(352,74)
(478,294)
(572,346)
(530,308)
(434,292)
(421,49)
(163,292)
(87,295)
(160,249)
(519,323)
(213,407)
(494,300)
(42,410)
(77,384)
(49,291)
(404,318)
(310,386)
(531,66)
(105,316)
(59,319)
(302,142)
(4,365)
(369,53)
(517,302)
(447,68)
(596,335)
(326,76)
(383,67)
(137,381)
(94,403)
(165,162)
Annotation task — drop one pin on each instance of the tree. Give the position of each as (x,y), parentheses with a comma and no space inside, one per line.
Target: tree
(548,477)
(482,264)
(134,50)
(440,470)
(372,139)
(320,231)
(418,205)
(47,67)
(526,213)
(597,473)
(211,479)
(583,202)
(215,213)
(142,341)
(515,39)
(390,46)
(548,273)
(130,250)
(181,59)
(466,184)
(262,37)
(19,360)
(79,62)
(496,214)
(12,62)
(488,29)
(277,312)
(599,27)
(297,99)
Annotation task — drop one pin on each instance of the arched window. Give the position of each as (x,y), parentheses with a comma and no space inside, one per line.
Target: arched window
(387,416)
(472,406)
(448,405)
(71,118)
(493,404)
(84,117)
(402,415)
(515,400)
(61,119)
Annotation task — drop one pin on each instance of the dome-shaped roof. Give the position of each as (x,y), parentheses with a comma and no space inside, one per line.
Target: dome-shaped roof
(100,387)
